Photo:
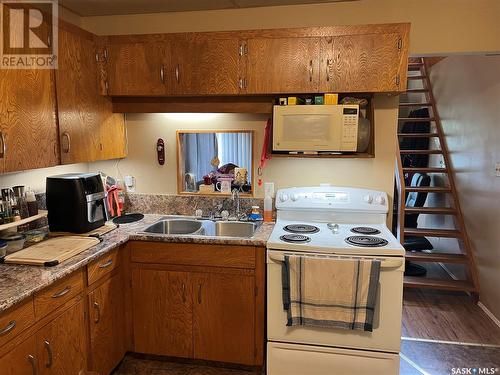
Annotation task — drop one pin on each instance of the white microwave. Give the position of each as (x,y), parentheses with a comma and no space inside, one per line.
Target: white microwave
(310,128)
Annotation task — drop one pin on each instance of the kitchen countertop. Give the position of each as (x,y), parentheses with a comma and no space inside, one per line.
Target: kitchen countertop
(18,282)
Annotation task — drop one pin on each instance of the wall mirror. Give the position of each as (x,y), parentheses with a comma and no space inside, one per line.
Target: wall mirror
(215,162)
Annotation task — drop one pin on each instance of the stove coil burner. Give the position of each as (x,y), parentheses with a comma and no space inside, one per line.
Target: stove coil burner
(366,241)
(301,228)
(295,238)
(365,230)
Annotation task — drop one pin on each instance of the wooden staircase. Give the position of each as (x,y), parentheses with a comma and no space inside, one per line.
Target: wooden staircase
(463,254)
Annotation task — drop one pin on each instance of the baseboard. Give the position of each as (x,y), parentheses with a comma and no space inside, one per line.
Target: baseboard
(480,304)
(489,313)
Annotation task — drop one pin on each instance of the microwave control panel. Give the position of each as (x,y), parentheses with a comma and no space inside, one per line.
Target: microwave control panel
(349,141)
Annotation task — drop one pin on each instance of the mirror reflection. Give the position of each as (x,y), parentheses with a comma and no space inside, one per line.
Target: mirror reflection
(215,162)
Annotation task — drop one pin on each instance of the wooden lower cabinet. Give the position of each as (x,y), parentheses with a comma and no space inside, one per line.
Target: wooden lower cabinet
(61,344)
(201,315)
(162,310)
(22,360)
(107,325)
(224,317)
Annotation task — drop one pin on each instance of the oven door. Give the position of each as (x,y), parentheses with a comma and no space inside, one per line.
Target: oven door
(386,335)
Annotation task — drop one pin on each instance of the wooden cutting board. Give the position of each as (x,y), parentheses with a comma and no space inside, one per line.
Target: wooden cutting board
(52,251)
(106,228)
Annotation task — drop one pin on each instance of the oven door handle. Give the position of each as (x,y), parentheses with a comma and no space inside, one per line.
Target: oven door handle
(386,263)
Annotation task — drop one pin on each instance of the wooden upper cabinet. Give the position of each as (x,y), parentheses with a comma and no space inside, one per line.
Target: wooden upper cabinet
(224,317)
(61,344)
(28,125)
(139,68)
(362,63)
(205,66)
(77,97)
(282,65)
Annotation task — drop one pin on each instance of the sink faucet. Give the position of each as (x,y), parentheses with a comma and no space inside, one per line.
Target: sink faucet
(235,196)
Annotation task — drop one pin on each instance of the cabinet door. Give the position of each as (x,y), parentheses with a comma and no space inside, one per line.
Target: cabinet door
(61,344)
(137,68)
(21,360)
(361,63)
(204,67)
(28,119)
(162,310)
(224,317)
(112,132)
(107,325)
(283,65)
(77,98)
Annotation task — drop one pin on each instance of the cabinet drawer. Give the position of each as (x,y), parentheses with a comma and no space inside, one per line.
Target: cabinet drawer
(102,266)
(193,254)
(16,320)
(56,295)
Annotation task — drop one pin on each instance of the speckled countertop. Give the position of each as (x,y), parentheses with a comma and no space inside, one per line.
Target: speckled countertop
(18,282)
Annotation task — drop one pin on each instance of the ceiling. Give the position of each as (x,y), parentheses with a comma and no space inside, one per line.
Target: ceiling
(87,8)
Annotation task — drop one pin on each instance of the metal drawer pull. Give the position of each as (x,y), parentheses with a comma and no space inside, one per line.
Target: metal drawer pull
(62,292)
(107,264)
(183,292)
(98,311)
(162,75)
(310,70)
(177,73)
(3,149)
(9,327)
(328,63)
(49,353)
(32,360)
(388,263)
(199,293)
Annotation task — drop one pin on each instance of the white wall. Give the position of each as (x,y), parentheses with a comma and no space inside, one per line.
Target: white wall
(35,178)
(438,26)
(467,90)
(144,129)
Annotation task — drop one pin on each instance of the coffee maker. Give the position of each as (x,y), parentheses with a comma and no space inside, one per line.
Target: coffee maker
(76,202)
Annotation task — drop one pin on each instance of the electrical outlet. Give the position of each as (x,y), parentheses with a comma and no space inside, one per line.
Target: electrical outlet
(497,169)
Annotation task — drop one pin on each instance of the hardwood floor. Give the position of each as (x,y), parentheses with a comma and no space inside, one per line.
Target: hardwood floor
(446,316)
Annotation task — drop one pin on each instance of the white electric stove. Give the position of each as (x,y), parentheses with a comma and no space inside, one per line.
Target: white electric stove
(329,221)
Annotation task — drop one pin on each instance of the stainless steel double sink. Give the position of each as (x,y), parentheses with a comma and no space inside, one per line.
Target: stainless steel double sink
(171,225)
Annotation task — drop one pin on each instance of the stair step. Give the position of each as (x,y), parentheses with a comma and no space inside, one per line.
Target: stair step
(431,210)
(428,232)
(415,66)
(417,90)
(424,104)
(418,135)
(426,257)
(427,189)
(416,77)
(424,152)
(416,119)
(425,170)
(422,282)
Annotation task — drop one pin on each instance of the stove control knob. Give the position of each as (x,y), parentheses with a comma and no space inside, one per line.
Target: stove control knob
(283,197)
(294,197)
(368,198)
(380,200)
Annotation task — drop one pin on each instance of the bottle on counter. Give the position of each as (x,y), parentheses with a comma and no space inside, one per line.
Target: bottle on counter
(32,203)
(268,201)
(255,215)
